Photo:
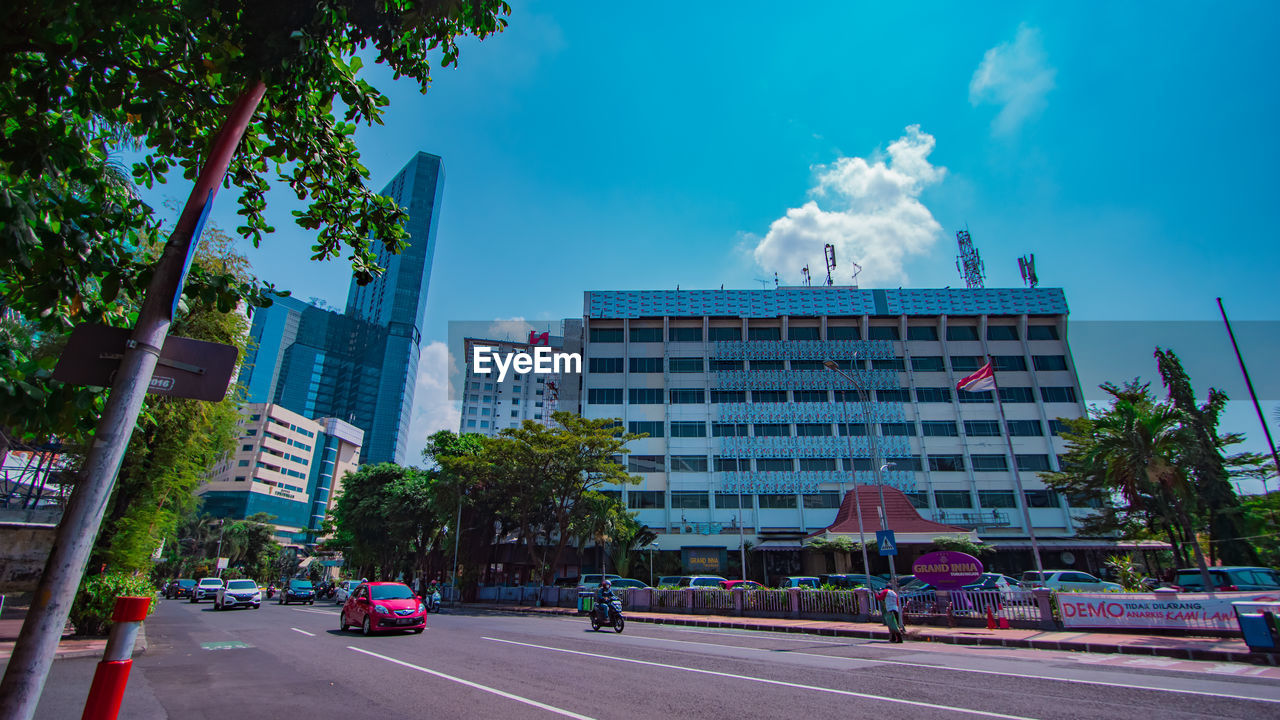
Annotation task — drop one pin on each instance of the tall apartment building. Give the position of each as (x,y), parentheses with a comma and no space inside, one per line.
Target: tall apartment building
(285,465)
(360,365)
(731,388)
(491,403)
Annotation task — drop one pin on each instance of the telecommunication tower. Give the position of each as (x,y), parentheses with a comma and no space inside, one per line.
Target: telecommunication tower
(856,269)
(968,262)
(1027,266)
(805,272)
(829,252)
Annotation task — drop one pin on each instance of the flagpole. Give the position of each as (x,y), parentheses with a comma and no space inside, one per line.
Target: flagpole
(1017,478)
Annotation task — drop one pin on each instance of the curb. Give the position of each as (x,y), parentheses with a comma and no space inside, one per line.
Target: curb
(916,633)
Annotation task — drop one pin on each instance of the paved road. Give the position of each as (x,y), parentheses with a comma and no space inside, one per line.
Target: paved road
(292,662)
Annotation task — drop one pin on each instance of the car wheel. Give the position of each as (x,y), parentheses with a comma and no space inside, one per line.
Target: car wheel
(367,627)
(312,602)
(193,599)
(418,631)
(342,621)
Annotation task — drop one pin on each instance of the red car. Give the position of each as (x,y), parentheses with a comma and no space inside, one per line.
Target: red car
(744,584)
(377,606)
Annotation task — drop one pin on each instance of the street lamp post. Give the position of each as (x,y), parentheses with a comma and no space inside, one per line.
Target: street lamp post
(857,499)
(217,555)
(864,397)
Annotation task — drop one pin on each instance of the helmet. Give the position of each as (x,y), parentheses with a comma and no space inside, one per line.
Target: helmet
(606,584)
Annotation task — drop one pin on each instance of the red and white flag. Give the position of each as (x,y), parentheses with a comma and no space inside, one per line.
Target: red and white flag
(981,381)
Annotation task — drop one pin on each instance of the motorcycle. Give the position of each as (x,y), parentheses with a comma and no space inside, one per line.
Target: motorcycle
(433,602)
(610,614)
(271,591)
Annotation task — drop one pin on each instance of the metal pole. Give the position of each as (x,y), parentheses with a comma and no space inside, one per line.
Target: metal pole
(857,500)
(1271,445)
(865,396)
(742,538)
(33,653)
(1017,478)
(457,540)
(217,554)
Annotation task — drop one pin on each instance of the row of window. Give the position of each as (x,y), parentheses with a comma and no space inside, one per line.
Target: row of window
(698,396)
(980,462)
(812,332)
(943,499)
(926,428)
(922,363)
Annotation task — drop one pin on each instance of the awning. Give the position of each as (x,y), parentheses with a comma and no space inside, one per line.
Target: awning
(1055,544)
(789,545)
(903,538)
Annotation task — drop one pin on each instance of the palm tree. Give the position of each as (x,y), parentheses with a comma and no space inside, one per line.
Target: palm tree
(1137,449)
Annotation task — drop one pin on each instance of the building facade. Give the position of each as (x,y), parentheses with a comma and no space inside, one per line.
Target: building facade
(492,402)
(360,365)
(286,465)
(751,438)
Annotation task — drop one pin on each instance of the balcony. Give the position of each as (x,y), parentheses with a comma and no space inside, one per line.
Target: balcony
(974,520)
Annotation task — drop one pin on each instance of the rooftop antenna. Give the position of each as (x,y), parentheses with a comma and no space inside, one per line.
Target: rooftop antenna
(805,272)
(1027,266)
(968,262)
(856,269)
(764,283)
(775,280)
(829,252)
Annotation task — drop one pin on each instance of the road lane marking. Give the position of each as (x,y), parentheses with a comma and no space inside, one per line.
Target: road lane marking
(1025,676)
(309,610)
(304,632)
(767,681)
(477,686)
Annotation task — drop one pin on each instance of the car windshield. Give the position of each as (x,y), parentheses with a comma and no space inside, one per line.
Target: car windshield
(211,581)
(391,592)
(242,585)
(300,584)
(186,583)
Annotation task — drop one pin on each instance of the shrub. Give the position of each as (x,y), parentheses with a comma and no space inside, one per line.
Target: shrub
(96,599)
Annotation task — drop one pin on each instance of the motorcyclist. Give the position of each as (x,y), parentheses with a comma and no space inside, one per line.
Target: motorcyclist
(604,596)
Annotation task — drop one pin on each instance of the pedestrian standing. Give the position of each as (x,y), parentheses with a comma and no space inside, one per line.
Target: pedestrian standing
(892,613)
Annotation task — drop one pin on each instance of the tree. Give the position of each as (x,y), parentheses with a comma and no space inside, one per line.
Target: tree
(543,472)
(628,537)
(77,79)
(1203,457)
(176,440)
(961,543)
(384,518)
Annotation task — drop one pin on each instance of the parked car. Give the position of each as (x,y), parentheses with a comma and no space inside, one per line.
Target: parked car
(744,584)
(206,589)
(382,606)
(238,593)
(592,580)
(668,581)
(1068,581)
(800,581)
(179,588)
(297,591)
(622,583)
(848,582)
(344,590)
(711,581)
(1228,578)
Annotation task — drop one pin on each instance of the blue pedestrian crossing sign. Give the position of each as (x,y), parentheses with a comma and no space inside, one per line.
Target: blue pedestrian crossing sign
(886,542)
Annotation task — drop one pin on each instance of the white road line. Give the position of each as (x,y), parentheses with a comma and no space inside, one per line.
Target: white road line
(304,632)
(767,681)
(477,686)
(309,610)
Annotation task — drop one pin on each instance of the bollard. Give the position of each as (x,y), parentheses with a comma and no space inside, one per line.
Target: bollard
(109,680)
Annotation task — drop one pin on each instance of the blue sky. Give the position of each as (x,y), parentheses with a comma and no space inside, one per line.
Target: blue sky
(1130,146)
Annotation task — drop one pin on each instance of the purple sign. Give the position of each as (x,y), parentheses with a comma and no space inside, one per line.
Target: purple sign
(947,569)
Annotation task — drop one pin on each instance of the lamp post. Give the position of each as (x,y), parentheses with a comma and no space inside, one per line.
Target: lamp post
(857,499)
(217,555)
(864,397)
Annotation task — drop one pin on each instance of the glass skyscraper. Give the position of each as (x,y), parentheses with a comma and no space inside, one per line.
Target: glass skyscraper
(361,365)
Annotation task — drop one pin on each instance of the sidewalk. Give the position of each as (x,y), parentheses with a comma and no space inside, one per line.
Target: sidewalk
(1184,648)
(69,647)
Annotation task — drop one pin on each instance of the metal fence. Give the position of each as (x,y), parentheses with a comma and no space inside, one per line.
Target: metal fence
(1014,605)
(767,602)
(829,602)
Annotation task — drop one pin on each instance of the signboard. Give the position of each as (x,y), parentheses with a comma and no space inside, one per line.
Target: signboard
(704,560)
(1173,611)
(887,543)
(947,569)
(186,368)
(222,563)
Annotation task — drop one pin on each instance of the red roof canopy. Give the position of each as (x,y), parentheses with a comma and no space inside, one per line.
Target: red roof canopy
(902,517)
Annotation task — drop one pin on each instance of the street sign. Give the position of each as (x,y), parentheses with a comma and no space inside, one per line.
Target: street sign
(887,543)
(186,368)
(222,563)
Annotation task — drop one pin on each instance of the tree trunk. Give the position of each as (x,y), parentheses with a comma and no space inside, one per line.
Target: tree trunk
(1195,546)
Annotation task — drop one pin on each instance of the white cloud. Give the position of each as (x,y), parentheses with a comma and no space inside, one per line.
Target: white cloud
(873,217)
(516,329)
(432,409)
(1015,76)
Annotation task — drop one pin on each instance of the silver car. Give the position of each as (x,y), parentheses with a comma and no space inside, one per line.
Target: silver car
(238,593)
